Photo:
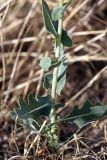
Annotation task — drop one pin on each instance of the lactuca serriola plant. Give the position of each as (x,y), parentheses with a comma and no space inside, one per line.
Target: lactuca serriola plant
(32,113)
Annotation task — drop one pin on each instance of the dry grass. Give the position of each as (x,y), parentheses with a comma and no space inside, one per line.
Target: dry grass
(23,41)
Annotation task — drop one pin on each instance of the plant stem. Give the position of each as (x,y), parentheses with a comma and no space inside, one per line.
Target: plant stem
(55,73)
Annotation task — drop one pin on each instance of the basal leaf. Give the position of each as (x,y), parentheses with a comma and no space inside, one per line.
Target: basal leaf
(45,63)
(34,110)
(86,114)
(29,123)
(65,39)
(48,19)
(57,12)
(46,104)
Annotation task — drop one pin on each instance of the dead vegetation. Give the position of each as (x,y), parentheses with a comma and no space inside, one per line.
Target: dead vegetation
(23,41)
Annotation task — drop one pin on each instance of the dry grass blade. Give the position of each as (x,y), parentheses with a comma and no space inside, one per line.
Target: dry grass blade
(74,11)
(37,136)
(98,37)
(3,58)
(18,54)
(4,4)
(85,58)
(90,83)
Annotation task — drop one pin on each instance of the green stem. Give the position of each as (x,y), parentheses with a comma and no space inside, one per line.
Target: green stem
(55,75)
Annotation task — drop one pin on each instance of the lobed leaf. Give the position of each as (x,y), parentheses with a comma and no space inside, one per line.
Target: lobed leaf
(34,110)
(86,114)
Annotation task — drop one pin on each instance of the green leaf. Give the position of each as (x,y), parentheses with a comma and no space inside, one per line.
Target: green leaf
(47,18)
(57,12)
(34,110)
(52,25)
(45,63)
(61,73)
(48,81)
(65,39)
(56,63)
(29,123)
(86,114)
(61,78)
